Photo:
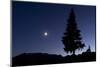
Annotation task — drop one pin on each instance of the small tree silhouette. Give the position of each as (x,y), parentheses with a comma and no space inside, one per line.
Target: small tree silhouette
(72,37)
(88,50)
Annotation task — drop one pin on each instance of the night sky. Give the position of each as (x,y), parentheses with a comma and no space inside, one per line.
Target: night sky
(30,20)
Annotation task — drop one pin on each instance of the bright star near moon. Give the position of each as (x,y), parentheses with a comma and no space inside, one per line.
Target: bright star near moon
(45,34)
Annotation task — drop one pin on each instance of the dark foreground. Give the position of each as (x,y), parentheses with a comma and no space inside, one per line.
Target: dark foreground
(26,59)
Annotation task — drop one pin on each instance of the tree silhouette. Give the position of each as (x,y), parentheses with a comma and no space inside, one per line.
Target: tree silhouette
(72,37)
(88,50)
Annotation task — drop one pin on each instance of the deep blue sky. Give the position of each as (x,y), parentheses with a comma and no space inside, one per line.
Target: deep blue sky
(30,20)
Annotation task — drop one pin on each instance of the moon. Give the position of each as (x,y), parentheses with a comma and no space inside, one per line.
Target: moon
(45,33)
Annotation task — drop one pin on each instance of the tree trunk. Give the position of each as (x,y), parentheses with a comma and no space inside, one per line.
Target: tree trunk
(74,52)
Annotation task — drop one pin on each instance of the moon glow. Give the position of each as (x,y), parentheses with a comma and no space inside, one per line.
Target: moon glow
(45,34)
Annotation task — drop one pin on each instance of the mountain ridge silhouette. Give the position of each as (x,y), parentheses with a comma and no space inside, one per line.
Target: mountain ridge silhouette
(25,59)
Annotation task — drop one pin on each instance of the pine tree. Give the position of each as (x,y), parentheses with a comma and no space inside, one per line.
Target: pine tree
(72,39)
